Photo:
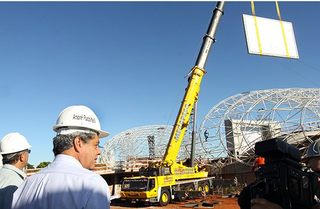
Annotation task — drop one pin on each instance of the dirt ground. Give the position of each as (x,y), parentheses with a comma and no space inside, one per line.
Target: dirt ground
(210,201)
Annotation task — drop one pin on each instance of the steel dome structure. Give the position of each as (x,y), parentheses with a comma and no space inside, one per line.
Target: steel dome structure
(146,142)
(238,122)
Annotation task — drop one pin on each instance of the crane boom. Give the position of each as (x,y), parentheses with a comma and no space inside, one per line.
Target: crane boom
(209,38)
(192,91)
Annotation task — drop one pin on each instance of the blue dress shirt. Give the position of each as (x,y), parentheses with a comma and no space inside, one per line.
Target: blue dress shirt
(63,184)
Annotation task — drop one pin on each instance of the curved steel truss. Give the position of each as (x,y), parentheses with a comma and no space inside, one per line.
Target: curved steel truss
(238,122)
(234,126)
(146,142)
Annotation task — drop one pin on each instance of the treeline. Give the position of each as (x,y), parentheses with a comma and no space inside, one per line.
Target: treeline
(41,165)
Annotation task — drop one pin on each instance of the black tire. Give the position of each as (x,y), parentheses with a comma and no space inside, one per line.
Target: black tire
(200,188)
(206,187)
(182,198)
(165,197)
(191,188)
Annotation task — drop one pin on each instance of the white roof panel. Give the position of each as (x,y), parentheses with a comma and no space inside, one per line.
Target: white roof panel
(274,41)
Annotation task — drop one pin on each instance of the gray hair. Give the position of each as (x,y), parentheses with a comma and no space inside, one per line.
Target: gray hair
(11,158)
(65,142)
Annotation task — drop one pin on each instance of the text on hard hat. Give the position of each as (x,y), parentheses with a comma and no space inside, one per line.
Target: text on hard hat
(84,117)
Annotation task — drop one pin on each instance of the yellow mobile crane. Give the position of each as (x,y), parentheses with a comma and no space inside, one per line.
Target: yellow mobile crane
(164,180)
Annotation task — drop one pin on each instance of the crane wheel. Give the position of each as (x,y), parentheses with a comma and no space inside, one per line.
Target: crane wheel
(206,187)
(165,197)
(182,198)
(199,188)
(191,188)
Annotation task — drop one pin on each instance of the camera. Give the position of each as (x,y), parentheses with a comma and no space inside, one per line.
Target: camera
(283,179)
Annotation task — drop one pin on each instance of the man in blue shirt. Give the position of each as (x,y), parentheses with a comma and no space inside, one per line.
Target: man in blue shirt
(14,149)
(68,182)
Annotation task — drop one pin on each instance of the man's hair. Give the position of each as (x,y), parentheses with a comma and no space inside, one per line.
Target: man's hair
(65,142)
(11,158)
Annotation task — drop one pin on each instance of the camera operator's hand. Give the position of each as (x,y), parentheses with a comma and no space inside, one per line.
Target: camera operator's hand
(261,203)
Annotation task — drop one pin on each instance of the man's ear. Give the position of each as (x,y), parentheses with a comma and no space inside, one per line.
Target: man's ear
(77,143)
(22,157)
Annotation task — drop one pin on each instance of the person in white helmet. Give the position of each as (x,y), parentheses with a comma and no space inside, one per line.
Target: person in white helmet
(15,151)
(312,160)
(68,182)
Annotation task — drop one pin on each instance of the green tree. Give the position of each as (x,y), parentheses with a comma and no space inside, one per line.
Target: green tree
(43,164)
(29,166)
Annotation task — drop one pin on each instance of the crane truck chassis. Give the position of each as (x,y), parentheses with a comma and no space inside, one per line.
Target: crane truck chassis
(168,180)
(164,189)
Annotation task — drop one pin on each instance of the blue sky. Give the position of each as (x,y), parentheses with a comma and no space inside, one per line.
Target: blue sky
(127,61)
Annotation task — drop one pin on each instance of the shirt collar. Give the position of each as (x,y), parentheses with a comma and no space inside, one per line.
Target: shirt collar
(17,170)
(67,158)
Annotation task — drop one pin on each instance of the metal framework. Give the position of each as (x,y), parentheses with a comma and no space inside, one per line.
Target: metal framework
(238,122)
(234,125)
(142,143)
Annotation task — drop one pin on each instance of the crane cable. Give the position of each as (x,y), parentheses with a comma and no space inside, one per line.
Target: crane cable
(256,25)
(282,28)
(257,29)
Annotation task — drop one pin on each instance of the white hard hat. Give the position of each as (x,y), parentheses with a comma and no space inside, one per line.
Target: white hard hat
(78,118)
(313,151)
(13,142)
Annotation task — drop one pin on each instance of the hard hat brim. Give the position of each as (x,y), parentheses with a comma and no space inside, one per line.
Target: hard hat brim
(19,150)
(102,134)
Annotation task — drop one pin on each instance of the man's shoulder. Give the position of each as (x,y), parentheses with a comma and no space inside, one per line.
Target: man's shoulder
(7,169)
(93,175)
(8,172)
(10,179)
